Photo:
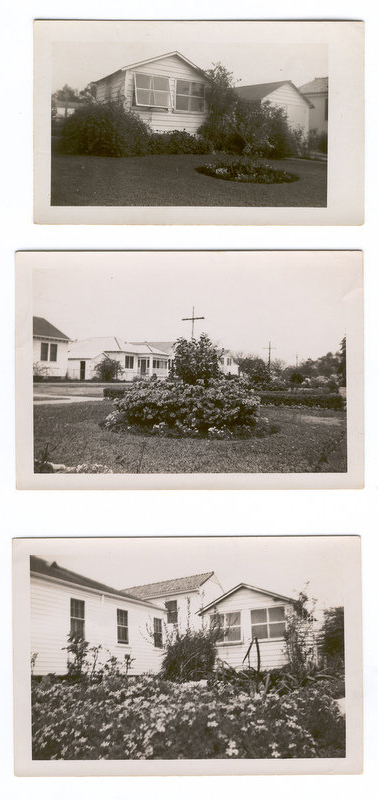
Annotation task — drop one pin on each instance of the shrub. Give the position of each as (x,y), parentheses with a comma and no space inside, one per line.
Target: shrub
(196,359)
(310,399)
(189,656)
(104,129)
(177,143)
(245,170)
(332,635)
(114,394)
(108,369)
(173,407)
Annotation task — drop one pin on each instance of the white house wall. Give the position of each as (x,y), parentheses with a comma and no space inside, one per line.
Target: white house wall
(272,651)
(56,368)
(294,105)
(111,88)
(318,120)
(50,626)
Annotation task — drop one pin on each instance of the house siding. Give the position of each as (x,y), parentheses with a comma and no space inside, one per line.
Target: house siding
(294,105)
(111,88)
(125,374)
(56,368)
(318,121)
(50,625)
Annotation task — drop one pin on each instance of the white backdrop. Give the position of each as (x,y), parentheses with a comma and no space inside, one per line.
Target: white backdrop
(60,514)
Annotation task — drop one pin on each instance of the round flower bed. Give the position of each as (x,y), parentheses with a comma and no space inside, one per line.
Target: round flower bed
(245,170)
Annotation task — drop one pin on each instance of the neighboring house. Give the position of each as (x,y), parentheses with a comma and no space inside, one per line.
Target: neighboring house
(182,597)
(168,92)
(227,364)
(316,92)
(64,602)
(50,349)
(61,109)
(281,94)
(243,613)
(136,361)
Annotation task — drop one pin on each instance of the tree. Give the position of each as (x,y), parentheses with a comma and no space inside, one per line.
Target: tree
(222,101)
(341,371)
(196,359)
(296,378)
(332,634)
(256,370)
(108,369)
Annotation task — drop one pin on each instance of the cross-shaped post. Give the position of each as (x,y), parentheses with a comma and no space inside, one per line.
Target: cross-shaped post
(191,319)
(269,348)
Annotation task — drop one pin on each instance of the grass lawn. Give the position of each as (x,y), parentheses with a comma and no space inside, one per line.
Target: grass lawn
(309,441)
(171,180)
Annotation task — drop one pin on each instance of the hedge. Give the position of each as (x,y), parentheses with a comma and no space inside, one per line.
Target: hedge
(313,399)
(114,394)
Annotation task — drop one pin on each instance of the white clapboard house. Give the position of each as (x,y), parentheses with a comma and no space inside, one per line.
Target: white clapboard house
(135,622)
(284,95)
(316,92)
(50,349)
(168,92)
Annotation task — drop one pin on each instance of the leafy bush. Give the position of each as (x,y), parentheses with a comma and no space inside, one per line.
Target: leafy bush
(104,129)
(108,369)
(114,394)
(149,718)
(310,399)
(196,359)
(244,169)
(332,635)
(177,143)
(189,656)
(187,409)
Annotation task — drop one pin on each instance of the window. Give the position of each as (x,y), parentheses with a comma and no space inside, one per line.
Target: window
(151,90)
(171,606)
(159,363)
(326,108)
(77,617)
(268,623)
(53,352)
(129,362)
(229,362)
(222,361)
(229,626)
(158,632)
(44,351)
(190,96)
(122,627)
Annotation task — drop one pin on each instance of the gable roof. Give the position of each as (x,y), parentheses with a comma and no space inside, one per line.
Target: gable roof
(316,86)
(52,570)
(245,586)
(96,345)
(165,347)
(42,327)
(151,60)
(176,585)
(257,91)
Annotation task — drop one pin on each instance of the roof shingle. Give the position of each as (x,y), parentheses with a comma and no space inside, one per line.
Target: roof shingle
(314,87)
(187,584)
(42,327)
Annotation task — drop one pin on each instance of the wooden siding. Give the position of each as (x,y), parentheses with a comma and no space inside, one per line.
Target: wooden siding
(272,651)
(294,104)
(56,368)
(50,625)
(111,88)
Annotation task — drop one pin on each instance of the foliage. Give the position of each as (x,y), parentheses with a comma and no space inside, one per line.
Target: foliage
(104,129)
(256,370)
(245,169)
(77,649)
(318,141)
(332,635)
(189,656)
(310,399)
(196,359)
(173,406)
(300,642)
(222,100)
(296,378)
(113,394)
(108,369)
(265,130)
(341,370)
(149,718)
(178,142)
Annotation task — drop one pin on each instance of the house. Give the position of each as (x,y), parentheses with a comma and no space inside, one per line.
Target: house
(281,94)
(136,361)
(227,363)
(64,602)
(182,597)
(50,349)
(246,612)
(168,92)
(61,109)
(316,92)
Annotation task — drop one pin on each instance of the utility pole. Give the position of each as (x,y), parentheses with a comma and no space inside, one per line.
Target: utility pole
(296,360)
(191,319)
(269,348)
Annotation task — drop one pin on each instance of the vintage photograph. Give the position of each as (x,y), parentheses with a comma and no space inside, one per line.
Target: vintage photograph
(196,363)
(241,659)
(230,115)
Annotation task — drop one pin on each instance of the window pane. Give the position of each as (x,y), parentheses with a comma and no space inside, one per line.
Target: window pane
(77,608)
(183,87)
(53,352)
(233,619)
(196,104)
(233,634)
(121,616)
(143,81)
(145,97)
(161,99)
(197,89)
(161,83)
(182,103)
(44,351)
(277,614)
(122,635)
(277,629)
(258,615)
(261,631)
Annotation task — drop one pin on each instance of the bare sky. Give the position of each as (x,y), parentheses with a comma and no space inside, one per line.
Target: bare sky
(276,563)
(249,50)
(296,300)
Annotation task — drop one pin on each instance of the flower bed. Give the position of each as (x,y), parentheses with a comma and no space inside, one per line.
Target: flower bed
(245,170)
(148,718)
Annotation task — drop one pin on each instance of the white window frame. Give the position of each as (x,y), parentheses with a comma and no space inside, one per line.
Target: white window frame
(130,358)
(224,627)
(75,617)
(171,612)
(152,77)
(195,96)
(158,632)
(268,623)
(123,626)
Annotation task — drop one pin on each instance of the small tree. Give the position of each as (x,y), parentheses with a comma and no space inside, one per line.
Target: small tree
(299,636)
(222,101)
(108,369)
(256,370)
(296,378)
(196,359)
(341,371)
(332,635)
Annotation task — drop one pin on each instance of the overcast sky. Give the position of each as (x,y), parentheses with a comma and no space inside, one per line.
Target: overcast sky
(276,563)
(250,51)
(296,300)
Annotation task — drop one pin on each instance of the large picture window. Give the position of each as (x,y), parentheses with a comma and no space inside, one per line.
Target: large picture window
(77,618)
(151,90)
(190,96)
(228,626)
(268,623)
(122,626)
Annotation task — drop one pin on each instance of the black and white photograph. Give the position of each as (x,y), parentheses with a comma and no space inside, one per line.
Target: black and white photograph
(195,367)
(180,648)
(189,121)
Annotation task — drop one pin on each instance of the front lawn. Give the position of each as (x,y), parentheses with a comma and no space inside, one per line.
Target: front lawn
(309,440)
(172,180)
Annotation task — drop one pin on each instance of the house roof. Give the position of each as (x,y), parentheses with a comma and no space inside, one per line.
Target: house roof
(188,584)
(257,91)
(317,86)
(245,586)
(155,58)
(94,346)
(53,570)
(166,347)
(43,328)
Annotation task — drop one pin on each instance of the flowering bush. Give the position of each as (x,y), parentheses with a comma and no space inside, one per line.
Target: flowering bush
(149,718)
(174,408)
(245,170)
